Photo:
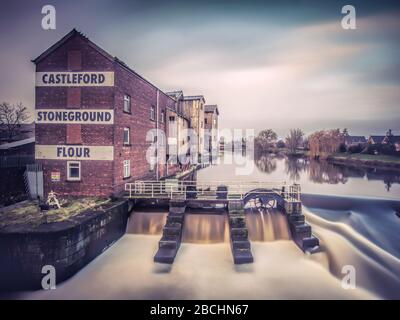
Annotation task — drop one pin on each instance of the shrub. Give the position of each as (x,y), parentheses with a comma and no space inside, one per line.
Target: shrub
(355,148)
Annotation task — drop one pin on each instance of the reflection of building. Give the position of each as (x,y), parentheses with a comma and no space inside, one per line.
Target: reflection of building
(211,114)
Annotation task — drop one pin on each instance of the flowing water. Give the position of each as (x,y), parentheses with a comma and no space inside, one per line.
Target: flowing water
(352,212)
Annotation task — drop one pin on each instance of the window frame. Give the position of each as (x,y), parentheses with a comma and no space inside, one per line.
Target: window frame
(162,116)
(69,178)
(127,97)
(128,143)
(126,164)
(152,113)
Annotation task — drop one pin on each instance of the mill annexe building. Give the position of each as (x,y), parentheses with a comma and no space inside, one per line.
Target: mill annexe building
(98,122)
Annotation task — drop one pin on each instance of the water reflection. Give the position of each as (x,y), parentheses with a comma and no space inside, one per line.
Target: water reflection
(323,172)
(266,163)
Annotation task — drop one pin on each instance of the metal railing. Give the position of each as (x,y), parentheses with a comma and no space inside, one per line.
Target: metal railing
(209,190)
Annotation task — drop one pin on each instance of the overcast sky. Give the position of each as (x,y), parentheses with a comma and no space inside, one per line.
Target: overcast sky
(267,64)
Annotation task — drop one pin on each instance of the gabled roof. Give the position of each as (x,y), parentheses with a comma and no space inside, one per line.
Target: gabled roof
(355,139)
(198,97)
(377,139)
(392,139)
(64,39)
(175,94)
(211,108)
(73,33)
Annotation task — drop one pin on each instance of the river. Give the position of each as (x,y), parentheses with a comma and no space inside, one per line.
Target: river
(352,212)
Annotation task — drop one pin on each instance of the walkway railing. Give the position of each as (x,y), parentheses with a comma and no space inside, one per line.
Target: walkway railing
(209,190)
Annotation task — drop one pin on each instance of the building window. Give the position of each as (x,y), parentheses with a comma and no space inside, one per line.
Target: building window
(205,121)
(127,168)
(73,171)
(201,124)
(127,103)
(162,116)
(127,138)
(153,113)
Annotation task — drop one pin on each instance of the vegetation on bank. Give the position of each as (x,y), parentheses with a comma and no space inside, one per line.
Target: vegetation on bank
(29,213)
(366,157)
(328,144)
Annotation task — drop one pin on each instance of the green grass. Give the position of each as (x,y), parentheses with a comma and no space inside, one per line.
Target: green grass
(367,157)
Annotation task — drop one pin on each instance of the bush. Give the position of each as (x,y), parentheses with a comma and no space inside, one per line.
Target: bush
(386,149)
(280,144)
(342,148)
(369,149)
(355,148)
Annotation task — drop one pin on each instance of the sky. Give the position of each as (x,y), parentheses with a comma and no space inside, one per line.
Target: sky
(267,64)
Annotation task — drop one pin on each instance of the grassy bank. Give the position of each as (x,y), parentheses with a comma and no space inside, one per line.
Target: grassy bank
(367,157)
(379,161)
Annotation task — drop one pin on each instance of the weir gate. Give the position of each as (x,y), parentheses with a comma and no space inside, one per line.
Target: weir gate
(234,196)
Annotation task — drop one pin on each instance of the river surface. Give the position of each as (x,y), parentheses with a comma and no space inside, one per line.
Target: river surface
(352,212)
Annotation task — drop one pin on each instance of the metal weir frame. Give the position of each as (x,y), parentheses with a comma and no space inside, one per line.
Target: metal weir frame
(210,190)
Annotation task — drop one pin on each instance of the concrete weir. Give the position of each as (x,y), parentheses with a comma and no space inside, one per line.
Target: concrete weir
(231,195)
(239,234)
(300,230)
(172,233)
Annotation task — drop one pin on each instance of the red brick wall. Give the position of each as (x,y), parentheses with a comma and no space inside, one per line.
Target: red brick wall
(98,177)
(143,96)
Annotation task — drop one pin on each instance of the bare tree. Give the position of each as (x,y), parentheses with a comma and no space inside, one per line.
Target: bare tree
(324,143)
(11,118)
(294,139)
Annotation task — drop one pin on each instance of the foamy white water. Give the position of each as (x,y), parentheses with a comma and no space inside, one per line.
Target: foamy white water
(127,271)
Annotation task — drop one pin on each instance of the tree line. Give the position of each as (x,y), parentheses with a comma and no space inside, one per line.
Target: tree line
(320,144)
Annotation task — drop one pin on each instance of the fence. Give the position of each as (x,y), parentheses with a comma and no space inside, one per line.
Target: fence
(209,190)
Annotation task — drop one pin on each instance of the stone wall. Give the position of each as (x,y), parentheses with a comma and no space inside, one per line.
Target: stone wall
(67,245)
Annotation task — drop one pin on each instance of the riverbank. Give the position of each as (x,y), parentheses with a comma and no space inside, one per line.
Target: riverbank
(366,160)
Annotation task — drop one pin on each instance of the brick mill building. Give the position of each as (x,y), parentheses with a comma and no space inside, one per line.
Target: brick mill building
(96,119)
(211,114)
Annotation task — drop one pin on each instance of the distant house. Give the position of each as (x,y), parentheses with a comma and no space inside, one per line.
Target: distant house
(394,140)
(354,140)
(389,138)
(376,139)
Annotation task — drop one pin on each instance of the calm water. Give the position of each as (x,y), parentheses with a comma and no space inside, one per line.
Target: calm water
(315,177)
(352,212)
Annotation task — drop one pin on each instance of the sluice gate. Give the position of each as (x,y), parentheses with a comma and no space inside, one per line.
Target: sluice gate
(233,196)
